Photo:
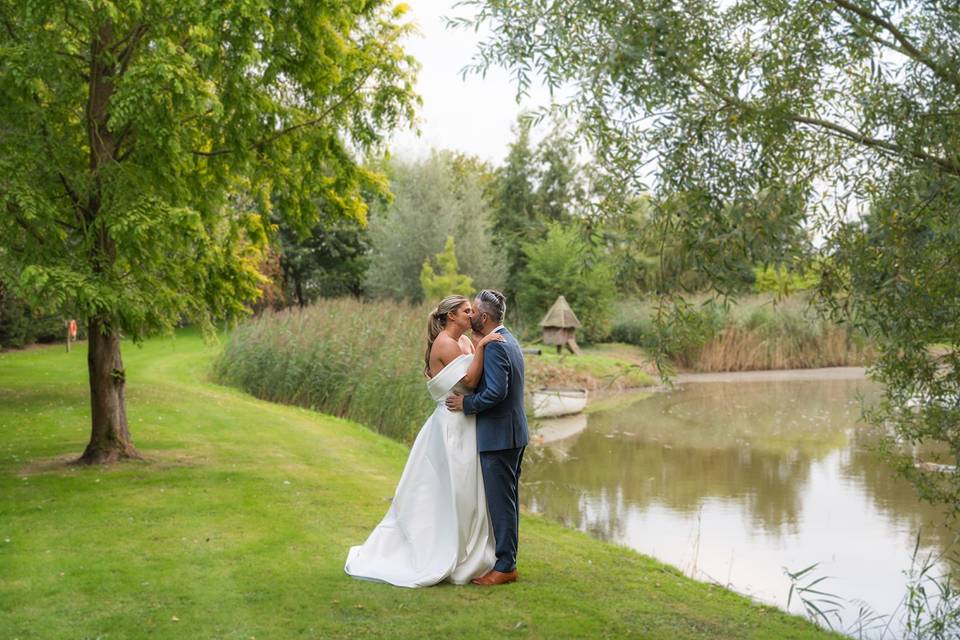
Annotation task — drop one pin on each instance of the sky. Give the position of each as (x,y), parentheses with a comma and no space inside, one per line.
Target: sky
(473,115)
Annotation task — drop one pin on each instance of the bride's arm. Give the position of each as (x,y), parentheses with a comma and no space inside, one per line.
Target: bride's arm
(475,372)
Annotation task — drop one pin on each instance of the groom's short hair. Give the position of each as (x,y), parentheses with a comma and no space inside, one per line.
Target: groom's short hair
(493,303)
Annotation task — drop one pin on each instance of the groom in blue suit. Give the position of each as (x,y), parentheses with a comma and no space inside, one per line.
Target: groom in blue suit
(501,431)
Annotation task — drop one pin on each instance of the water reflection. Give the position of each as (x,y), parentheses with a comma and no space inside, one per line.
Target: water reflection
(733,481)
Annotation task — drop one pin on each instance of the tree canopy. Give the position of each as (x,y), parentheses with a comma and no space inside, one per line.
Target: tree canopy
(142,145)
(434,198)
(562,263)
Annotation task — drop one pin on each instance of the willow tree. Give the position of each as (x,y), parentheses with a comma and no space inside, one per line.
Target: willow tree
(755,118)
(143,143)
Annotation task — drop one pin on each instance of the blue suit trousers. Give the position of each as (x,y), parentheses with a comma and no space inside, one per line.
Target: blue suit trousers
(501,481)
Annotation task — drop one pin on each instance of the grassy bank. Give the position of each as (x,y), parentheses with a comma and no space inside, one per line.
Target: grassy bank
(346,356)
(601,367)
(756,332)
(238,524)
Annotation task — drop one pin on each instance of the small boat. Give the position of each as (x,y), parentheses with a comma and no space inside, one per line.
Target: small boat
(549,403)
(936,467)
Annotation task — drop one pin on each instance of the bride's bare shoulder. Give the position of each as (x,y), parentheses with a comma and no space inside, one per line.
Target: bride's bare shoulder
(444,350)
(444,345)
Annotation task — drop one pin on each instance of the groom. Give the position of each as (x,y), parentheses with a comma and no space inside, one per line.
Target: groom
(501,431)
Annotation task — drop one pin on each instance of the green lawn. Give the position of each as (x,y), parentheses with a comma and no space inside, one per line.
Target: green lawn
(238,524)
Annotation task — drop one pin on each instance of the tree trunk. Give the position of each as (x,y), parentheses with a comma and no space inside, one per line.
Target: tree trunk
(299,289)
(110,437)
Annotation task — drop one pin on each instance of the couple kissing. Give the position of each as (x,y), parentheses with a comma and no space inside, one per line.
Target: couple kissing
(455,514)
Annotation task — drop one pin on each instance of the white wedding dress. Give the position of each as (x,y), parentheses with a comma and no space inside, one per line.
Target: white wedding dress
(437,527)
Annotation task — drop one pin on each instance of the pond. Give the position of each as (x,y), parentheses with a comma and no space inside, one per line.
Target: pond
(732,477)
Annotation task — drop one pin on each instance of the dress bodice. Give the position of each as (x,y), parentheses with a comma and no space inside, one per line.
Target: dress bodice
(448,378)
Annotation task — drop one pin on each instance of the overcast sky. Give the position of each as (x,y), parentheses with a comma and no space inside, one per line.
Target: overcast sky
(473,115)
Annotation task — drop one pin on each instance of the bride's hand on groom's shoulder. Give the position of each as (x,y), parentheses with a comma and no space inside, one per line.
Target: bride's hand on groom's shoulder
(490,337)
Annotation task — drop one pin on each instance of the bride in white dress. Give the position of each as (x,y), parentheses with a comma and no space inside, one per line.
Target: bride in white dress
(437,527)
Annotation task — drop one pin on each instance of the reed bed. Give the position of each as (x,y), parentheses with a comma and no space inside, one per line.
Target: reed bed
(755,333)
(354,359)
(740,349)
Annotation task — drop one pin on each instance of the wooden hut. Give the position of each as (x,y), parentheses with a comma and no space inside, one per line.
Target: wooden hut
(559,326)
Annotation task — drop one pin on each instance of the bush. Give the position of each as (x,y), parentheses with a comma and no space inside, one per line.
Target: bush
(633,324)
(21,326)
(563,264)
(782,282)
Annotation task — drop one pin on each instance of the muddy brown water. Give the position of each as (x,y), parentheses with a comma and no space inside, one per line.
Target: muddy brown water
(732,478)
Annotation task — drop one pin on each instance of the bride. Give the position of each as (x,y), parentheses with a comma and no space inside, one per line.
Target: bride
(437,527)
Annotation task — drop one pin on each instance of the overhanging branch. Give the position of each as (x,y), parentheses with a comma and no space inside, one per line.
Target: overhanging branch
(832,128)
(907,47)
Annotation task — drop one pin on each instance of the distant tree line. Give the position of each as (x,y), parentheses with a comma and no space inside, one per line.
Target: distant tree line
(536,226)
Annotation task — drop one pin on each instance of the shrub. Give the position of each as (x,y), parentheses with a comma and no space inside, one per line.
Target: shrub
(447,280)
(20,325)
(633,324)
(781,281)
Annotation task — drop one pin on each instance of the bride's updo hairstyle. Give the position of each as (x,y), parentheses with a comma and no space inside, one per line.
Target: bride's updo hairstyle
(436,321)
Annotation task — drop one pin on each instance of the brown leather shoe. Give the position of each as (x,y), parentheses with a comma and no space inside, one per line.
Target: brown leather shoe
(495,577)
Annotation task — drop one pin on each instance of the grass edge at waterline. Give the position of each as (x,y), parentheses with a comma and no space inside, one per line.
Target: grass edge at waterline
(238,523)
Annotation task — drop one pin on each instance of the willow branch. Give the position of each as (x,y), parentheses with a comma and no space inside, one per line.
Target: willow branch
(835,129)
(908,47)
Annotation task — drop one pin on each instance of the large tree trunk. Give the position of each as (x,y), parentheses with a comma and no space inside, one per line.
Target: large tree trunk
(110,437)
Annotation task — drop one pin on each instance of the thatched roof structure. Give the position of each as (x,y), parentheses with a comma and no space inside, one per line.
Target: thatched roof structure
(560,316)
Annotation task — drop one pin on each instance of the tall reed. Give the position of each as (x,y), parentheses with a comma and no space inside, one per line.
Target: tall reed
(355,359)
(754,333)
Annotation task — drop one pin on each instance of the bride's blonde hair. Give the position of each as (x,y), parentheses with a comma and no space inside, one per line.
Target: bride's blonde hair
(436,321)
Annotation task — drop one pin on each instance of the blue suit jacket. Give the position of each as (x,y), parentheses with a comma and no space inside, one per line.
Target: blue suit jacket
(498,400)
